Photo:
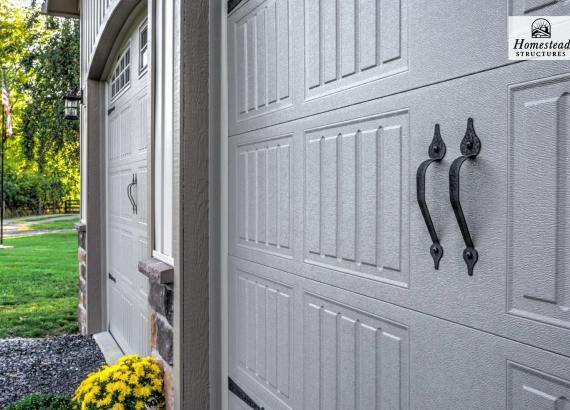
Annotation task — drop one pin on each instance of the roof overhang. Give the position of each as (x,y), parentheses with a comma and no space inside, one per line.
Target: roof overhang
(62,8)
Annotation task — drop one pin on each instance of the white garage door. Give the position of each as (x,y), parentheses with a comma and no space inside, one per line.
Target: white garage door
(127,136)
(335,302)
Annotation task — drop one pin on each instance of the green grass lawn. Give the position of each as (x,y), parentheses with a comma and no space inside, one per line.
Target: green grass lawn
(38,286)
(63,224)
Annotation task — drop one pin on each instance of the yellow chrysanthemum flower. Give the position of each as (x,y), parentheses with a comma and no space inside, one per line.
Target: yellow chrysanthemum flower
(157,384)
(105,401)
(139,369)
(127,385)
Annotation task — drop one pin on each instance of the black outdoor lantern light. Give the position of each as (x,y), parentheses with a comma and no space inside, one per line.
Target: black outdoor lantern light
(71,105)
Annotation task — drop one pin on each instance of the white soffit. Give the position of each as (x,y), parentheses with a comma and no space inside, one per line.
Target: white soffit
(62,8)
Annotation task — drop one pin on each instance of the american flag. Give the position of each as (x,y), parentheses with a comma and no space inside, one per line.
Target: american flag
(6,105)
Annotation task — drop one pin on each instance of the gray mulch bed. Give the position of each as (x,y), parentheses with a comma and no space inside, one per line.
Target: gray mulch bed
(56,364)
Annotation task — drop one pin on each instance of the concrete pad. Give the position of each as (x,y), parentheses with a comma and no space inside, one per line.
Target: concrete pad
(109,347)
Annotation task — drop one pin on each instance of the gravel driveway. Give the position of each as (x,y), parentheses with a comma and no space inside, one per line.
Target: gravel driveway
(56,364)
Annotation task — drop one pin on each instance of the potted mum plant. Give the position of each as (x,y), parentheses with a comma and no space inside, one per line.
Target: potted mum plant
(134,383)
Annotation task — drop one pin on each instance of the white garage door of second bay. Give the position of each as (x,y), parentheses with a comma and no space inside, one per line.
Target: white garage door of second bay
(339,295)
(127,135)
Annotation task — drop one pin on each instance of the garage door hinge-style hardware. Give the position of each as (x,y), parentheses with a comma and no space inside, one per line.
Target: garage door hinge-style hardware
(110,110)
(111,277)
(130,193)
(238,391)
(470,148)
(436,153)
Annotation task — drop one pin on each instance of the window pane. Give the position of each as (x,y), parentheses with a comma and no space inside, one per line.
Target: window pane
(143,37)
(144,59)
(122,74)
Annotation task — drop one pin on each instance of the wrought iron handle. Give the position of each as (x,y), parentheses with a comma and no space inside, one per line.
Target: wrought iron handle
(132,184)
(130,193)
(470,148)
(436,153)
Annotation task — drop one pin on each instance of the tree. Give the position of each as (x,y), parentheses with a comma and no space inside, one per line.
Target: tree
(54,67)
(41,58)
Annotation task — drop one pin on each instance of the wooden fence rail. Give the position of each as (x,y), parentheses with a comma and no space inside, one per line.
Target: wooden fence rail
(71,206)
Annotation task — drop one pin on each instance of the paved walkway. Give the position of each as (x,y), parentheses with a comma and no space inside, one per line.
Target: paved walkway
(55,364)
(30,232)
(25,226)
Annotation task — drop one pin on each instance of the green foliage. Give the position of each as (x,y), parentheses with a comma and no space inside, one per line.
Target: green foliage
(38,279)
(42,401)
(29,191)
(55,67)
(41,57)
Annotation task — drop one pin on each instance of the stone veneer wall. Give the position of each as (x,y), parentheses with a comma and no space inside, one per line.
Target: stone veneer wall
(161,302)
(82,256)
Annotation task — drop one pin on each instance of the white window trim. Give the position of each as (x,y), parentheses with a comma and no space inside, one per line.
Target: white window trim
(128,68)
(163,258)
(143,70)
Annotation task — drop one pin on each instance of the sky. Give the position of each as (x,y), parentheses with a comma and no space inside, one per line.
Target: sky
(26,3)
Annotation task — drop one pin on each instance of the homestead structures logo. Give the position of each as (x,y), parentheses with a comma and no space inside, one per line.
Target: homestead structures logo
(539,38)
(541,28)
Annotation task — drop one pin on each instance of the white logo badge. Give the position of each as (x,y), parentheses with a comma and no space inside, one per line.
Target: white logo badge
(539,38)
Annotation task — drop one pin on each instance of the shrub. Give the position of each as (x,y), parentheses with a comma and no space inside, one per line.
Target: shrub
(26,193)
(42,401)
(132,383)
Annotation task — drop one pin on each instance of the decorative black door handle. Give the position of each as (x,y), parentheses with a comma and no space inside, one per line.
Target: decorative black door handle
(470,148)
(135,207)
(132,184)
(130,193)
(436,153)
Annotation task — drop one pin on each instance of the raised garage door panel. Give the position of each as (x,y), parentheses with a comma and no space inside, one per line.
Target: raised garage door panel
(262,352)
(538,202)
(332,198)
(345,350)
(356,195)
(262,179)
(293,58)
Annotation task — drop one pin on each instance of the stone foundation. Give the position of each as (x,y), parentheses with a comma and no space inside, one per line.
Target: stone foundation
(161,302)
(82,257)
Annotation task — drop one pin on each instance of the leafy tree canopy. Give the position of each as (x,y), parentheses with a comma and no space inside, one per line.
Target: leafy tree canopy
(40,55)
